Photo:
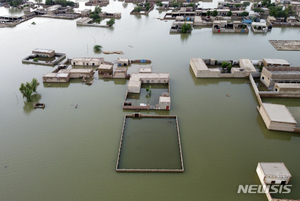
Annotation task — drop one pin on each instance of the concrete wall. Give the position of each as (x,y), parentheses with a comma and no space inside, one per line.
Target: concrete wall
(154,80)
(266,77)
(56,79)
(273,125)
(256,91)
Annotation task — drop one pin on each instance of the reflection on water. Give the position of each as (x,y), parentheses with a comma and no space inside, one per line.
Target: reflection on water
(28,106)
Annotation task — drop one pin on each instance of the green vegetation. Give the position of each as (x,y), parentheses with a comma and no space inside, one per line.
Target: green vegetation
(48,2)
(147,8)
(229,13)
(215,13)
(160,4)
(185,28)
(237,5)
(64,3)
(14,3)
(35,60)
(246,3)
(137,9)
(97,48)
(244,27)
(28,88)
(175,5)
(95,14)
(278,12)
(110,22)
(255,27)
(258,10)
(33,23)
(191,5)
(148,89)
(227,66)
(245,13)
(208,13)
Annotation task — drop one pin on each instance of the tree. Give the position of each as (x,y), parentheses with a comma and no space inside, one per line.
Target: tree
(185,28)
(245,13)
(246,3)
(48,2)
(28,88)
(258,10)
(110,22)
(229,13)
(148,89)
(215,13)
(97,48)
(208,13)
(97,10)
(137,9)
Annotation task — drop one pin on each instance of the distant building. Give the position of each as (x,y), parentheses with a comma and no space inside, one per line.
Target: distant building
(123,62)
(271,75)
(275,62)
(273,173)
(86,61)
(85,13)
(43,52)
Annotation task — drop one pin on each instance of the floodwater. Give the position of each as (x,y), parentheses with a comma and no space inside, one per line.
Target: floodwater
(64,153)
(150,143)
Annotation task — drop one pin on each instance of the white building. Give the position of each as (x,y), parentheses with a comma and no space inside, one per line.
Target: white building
(273,173)
(86,61)
(277,117)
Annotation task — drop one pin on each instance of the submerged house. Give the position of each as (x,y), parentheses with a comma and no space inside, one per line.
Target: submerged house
(229,27)
(259,27)
(273,173)
(201,70)
(86,61)
(271,75)
(277,117)
(44,52)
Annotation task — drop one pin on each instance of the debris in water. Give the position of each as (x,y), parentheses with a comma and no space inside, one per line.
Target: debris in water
(76,106)
(227,95)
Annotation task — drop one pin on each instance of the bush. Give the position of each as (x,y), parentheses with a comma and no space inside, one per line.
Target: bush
(245,13)
(258,10)
(147,8)
(185,28)
(137,9)
(229,13)
(208,13)
(175,5)
(215,13)
(35,60)
(48,2)
(110,22)
(246,3)
(97,48)
(28,88)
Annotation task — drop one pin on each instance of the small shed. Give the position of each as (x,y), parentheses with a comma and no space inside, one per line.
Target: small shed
(164,103)
(273,173)
(277,117)
(287,87)
(123,62)
(105,68)
(120,72)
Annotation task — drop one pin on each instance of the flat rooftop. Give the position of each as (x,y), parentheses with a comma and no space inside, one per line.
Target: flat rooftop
(279,113)
(276,61)
(75,71)
(84,20)
(150,76)
(247,65)
(87,59)
(105,66)
(43,50)
(145,70)
(288,85)
(275,168)
(199,64)
(56,75)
